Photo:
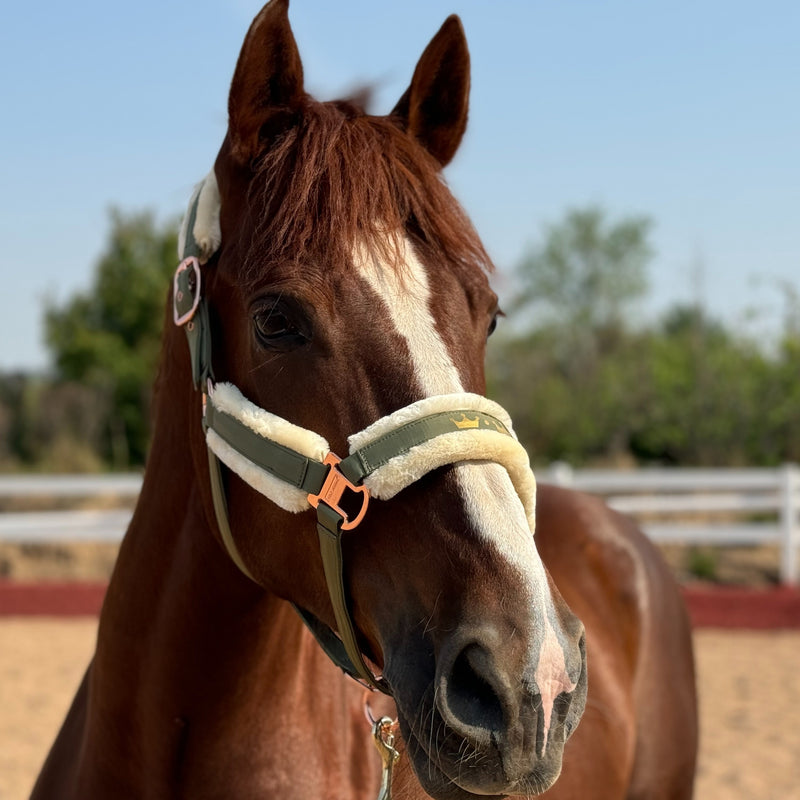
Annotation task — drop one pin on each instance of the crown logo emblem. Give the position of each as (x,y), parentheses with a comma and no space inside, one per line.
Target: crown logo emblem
(493,423)
(465,422)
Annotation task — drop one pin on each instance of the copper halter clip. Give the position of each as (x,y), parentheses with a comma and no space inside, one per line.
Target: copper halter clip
(383,734)
(333,489)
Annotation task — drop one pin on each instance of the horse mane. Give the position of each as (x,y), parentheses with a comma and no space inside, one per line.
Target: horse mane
(339,179)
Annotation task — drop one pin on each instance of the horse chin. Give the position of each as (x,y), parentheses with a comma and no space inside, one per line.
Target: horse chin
(447,778)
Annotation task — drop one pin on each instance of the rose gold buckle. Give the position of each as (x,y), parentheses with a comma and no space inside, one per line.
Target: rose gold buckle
(334,487)
(188,263)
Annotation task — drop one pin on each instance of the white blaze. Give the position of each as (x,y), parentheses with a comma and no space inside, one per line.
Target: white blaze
(489,497)
(492,504)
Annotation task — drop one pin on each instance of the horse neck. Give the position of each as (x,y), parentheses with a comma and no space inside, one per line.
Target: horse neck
(170,539)
(180,623)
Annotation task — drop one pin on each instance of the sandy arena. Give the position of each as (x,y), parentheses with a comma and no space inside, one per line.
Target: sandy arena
(749,689)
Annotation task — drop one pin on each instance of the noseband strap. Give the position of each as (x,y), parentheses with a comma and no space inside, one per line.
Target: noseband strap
(295,468)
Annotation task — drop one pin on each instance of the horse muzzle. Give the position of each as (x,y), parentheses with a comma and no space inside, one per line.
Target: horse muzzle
(482,726)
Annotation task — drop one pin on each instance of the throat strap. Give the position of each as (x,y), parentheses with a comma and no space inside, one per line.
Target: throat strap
(329,531)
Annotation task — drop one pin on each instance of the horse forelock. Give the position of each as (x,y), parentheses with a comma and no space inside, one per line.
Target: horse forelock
(339,180)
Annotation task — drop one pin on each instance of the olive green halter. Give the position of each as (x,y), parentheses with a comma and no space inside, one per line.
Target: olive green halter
(326,482)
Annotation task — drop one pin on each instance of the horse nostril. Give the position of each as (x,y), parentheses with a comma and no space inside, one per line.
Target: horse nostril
(468,692)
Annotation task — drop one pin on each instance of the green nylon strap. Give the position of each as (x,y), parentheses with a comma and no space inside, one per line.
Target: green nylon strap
(331,644)
(308,474)
(190,246)
(329,530)
(364,461)
(221,513)
(199,337)
(284,463)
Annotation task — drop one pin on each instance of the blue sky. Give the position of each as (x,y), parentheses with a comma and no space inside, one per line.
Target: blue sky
(687,112)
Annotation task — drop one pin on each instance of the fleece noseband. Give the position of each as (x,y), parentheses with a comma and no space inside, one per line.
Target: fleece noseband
(295,468)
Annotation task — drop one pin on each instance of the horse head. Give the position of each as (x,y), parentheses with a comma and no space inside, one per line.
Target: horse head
(344,286)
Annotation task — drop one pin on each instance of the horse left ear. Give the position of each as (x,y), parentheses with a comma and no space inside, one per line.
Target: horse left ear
(267,88)
(434,107)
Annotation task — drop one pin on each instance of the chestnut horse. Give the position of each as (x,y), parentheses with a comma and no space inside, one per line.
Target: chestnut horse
(335,297)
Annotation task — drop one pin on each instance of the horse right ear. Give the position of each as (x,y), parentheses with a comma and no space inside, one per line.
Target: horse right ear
(267,87)
(434,108)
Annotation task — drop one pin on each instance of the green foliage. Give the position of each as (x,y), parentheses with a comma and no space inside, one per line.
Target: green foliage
(108,338)
(50,425)
(581,383)
(584,386)
(13,432)
(706,386)
(703,563)
(587,272)
(569,372)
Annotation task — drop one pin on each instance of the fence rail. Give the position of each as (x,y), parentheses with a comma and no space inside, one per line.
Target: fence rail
(692,506)
(708,506)
(125,485)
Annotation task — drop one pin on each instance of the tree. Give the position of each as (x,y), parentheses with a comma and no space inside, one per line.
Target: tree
(569,372)
(707,392)
(587,273)
(108,337)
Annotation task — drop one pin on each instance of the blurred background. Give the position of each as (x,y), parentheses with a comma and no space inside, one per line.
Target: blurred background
(633,169)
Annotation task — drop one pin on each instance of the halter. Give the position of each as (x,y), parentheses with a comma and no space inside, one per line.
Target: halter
(295,468)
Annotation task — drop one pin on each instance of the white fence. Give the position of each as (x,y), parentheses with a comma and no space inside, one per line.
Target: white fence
(717,506)
(703,506)
(106,525)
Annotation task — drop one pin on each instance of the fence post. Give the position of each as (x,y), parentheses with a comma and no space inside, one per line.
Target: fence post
(561,474)
(790,528)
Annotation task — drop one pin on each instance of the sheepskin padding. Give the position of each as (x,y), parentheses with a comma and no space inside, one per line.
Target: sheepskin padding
(227,398)
(430,405)
(281,493)
(206,231)
(479,445)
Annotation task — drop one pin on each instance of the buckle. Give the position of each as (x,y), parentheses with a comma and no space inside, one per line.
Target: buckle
(183,283)
(333,489)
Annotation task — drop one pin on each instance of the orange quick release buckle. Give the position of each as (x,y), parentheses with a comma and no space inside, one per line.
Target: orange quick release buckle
(333,489)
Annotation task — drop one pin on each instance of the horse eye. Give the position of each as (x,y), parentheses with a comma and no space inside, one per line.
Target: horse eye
(274,328)
(493,323)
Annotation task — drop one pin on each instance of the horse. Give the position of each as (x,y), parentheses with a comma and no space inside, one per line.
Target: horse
(334,298)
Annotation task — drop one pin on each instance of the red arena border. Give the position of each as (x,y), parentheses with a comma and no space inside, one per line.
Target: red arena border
(739,607)
(46,599)
(709,606)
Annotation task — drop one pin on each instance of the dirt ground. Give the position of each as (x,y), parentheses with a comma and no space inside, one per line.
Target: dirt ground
(749,685)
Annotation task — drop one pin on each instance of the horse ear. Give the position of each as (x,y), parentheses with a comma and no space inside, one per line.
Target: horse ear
(434,107)
(267,87)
